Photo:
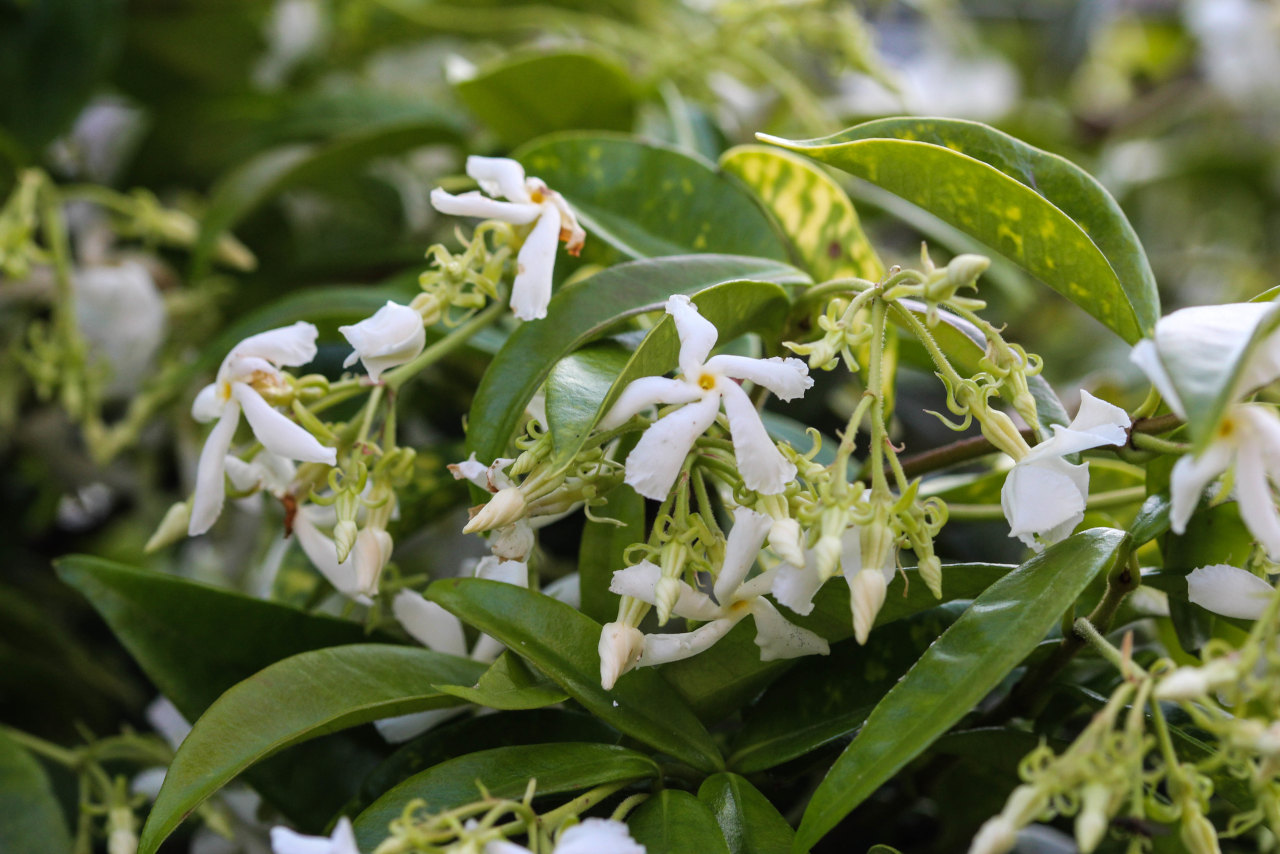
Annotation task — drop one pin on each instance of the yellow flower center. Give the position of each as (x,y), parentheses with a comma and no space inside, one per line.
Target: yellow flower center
(1226,428)
(706,382)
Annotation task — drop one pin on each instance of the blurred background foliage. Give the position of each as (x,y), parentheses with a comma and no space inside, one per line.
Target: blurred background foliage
(314,130)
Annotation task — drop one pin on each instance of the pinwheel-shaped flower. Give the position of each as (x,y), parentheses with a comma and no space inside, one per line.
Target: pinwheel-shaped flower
(703,384)
(735,598)
(248,371)
(1044,495)
(528,200)
(392,336)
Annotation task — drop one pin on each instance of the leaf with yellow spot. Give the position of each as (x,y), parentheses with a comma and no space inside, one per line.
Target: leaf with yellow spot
(813,211)
(1039,210)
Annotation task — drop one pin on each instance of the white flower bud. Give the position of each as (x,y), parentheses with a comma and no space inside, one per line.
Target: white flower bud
(173,527)
(344,538)
(930,571)
(121,838)
(514,542)
(505,507)
(965,269)
(1092,821)
(1197,833)
(786,542)
(826,556)
(392,336)
(620,648)
(866,593)
(665,596)
(996,836)
(371,552)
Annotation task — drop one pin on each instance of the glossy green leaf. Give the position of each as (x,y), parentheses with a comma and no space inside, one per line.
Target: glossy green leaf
(749,822)
(675,822)
(1152,520)
(504,772)
(822,699)
(523,96)
(582,386)
(177,631)
(255,182)
(603,551)
(31,822)
(561,642)
(642,200)
(508,684)
(1036,208)
(1002,626)
(302,697)
(814,212)
(581,312)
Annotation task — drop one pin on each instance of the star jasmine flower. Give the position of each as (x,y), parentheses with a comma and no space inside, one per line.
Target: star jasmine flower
(590,836)
(392,336)
(251,368)
(1229,591)
(1044,495)
(528,200)
(513,540)
(735,598)
(343,841)
(704,384)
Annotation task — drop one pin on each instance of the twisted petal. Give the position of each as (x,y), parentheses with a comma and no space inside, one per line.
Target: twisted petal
(656,460)
(477,205)
(598,836)
(323,555)
(1253,492)
(697,335)
(277,433)
(749,530)
(640,394)
(1189,478)
(795,586)
(1044,498)
(619,648)
(761,464)
(660,649)
(786,378)
(777,637)
(499,176)
(1147,357)
(1229,591)
(206,504)
(429,624)
(288,346)
(392,336)
(1097,423)
(208,404)
(531,290)
(641,581)
(1185,328)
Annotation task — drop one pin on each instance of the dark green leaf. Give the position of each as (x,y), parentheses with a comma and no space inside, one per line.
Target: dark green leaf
(1152,520)
(1002,626)
(302,697)
(521,97)
(508,684)
(643,200)
(603,549)
(562,642)
(581,312)
(1036,208)
(749,822)
(675,822)
(504,772)
(31,822)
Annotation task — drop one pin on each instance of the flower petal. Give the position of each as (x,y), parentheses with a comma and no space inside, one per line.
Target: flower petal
(1097,423)
(697,335)
(277,433)
(531,290)
(640,394)
(429,624)
(1147,357)
(663,648)
(778,637)
(795,586)
(741,550)
(786,378)
(207,405)
(1189,478)
(288,346)
(210,491)
(499,176)
(323,555)
(1229,591)
(761,464)
(598,836)
(641,582)
(1042,496)
(654,463)
(1257,506)
(393,335)
(507,571)
(477,205)
(404,727)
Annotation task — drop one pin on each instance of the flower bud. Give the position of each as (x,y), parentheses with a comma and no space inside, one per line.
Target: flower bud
(173,527)
(665,595)
(1092,821)
(620,648)
(514,542)
(392,336)
(505,507)
(344,538)
(1197,833)
(996,836)
(930,571)
(826,556)
(866,593)
(121,838)
(965,269)
(372,551)
(786,541)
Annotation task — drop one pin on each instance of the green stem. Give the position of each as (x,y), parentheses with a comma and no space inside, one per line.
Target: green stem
(1144,442)
(835,286)
(49,750)
(580,804)
(446,345)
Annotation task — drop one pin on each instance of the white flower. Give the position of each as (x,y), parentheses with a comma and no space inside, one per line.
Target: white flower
(343,841)
(251,366)
(121,314)
(512,538)
(590,836)
(735,598)
(1248,436)
(653,465)
(529,200)
(1229,591)
(392,336)
(1044,495)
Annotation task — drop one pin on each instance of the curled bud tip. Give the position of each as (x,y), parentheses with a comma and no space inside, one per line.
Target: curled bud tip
(172,527)
(505,507)
(344,538)
(620,648)
(786,542)
(665,595)
(866,592)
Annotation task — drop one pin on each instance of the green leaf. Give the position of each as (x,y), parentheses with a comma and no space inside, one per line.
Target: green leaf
(1152,520)
(504,772)
(583,311)
(31,822)
(603,551)
(253,183)
(1038,209)
(822,699)
(675,822)
(508,684)
(302,697)
(643,200)
(1002,626)
(814,212)
(177,631)
(561,642)
(749,822)
(520,97)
